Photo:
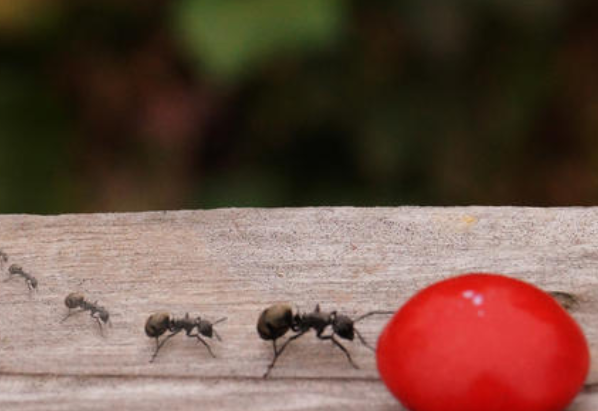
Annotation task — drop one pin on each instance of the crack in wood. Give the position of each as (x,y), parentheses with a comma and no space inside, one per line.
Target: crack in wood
(238,378)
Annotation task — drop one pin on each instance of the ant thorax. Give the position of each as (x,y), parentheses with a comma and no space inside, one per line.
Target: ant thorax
(186,323)
(318,320)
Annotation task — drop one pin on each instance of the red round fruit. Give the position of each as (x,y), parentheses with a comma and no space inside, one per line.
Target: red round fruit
(483,342)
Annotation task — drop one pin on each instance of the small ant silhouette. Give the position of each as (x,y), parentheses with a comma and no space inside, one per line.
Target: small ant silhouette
(158,323)
(567,300)
(77,300)
(277,319)
(18,270)
(3,259)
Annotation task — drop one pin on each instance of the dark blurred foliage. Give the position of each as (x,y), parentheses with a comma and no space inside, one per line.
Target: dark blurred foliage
(133,105)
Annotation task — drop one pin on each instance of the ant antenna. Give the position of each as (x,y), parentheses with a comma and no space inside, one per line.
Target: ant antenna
(363,341)
(361,317)
(214,331)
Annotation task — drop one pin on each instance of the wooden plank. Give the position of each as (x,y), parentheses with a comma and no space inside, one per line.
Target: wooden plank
(234,263)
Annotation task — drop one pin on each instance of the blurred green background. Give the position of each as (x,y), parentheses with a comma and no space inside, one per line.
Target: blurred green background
(138,105)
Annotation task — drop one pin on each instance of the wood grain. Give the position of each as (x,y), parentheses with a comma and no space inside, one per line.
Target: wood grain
(235,262)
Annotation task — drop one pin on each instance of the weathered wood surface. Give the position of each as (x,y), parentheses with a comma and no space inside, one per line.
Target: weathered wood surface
(235,262)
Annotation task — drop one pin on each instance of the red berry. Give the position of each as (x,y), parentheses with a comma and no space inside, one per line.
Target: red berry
(483,342)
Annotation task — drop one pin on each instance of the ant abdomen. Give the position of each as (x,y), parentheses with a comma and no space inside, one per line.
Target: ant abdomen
(157,324)
(74,300)
(275,321)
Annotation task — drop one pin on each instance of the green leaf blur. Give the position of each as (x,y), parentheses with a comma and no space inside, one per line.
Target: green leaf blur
(231,38)
(122,106)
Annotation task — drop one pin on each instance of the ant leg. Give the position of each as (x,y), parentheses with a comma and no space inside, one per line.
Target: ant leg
(201,340)
(100,325)
(279,352)
(273,361)
(157,349)
(159,345)
(294,337)
(363,341)
(216,322)
(71,313)
(339,345)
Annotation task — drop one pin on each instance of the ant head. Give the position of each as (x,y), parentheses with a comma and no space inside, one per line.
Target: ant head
(104,316)
(33,282)
(15,269)
(275,321)
(343,327)
(205,328)
(157,324)
(73,300)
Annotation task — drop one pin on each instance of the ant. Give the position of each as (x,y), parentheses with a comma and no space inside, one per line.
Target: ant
(77,300)
(18,270)
(3,258)
(568,301)
(278,319)
(158,323)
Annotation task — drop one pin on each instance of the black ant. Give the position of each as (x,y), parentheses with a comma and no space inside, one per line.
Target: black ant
(3,259)
(158,323)
(77,300)
(18,270)
(568,301)
(278,319)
